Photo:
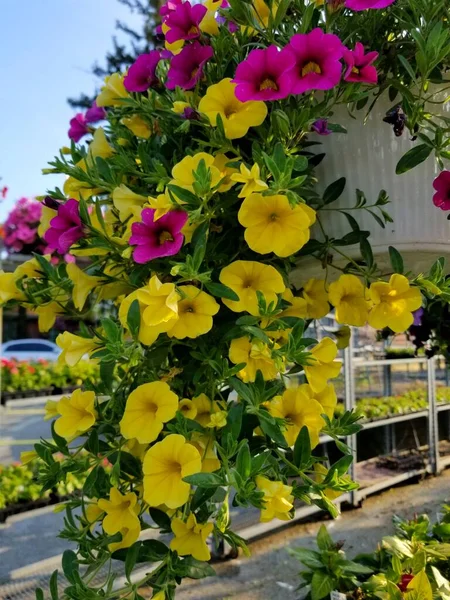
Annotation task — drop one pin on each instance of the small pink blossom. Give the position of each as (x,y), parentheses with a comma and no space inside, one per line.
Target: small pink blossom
(184,21)
(142,73)
(78,127)
(66,228)
(157,238)
(95,113)
(441,184)
(359,65)
(186,68)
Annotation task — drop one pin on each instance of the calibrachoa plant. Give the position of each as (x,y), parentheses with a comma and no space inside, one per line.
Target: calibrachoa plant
(191,207)
(20,230)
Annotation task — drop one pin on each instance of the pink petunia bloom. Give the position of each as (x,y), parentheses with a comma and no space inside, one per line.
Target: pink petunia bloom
(441,184)
(142,73)
(95,113)
(155,239)
(183,22)
(359,65)
(78,127)
(66,228)
(358,5)
(169,7)
(321,127)
(187,67)
(265,75)
(318,65)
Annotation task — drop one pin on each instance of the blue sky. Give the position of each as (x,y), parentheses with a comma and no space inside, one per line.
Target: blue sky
(46,49)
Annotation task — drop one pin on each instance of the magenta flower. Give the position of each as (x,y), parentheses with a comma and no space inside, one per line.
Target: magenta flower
(169,7)
(78,127)
(142,73)
(183,22)
(318,65)
(95,113)
(265,75)
(66,228)
(441,184)
(321,127)
(21,225)
(359,65)
(187,67)
(357,5)
(155,239)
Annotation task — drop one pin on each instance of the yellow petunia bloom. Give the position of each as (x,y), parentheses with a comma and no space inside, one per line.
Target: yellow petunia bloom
(272,225)
(263,11)
(112,91)
(316,297)
(237,117)
(165,465)
(73,188)
(148,407)
(137,126)
(179,107)
(348,296)
(99,147)
(342,336)
(147,335)
(28,456)
(278,499)
(190,537)
(297,308)
(77,412)
(162,204)
(183,172)
(205,408)
(220,161)
(175,47)
(47,214)
(218,420)
(74,348)
(257,357)
(393,303)
(8,289)
(93,514)
(299,410)
(161,302)
(51,410)
(47,314)
(251,178)
(129,536)
(323,365)
(326,398)
(30,268)
(187,408)
(320,472)
(245,278)
(121,511)
(205,446)
(83,284)
(135,448)
(195,313)
(125,200)
(209,24)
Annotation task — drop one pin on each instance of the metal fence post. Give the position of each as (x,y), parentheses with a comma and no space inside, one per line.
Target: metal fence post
(349,402)
(433,429)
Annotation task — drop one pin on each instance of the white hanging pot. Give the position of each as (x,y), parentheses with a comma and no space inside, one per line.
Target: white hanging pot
(367,157)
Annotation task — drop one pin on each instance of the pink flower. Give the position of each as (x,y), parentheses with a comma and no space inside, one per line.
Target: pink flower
(66,228)
(95,113)
(155,239)
(318,64)
(169,7)
(359,65)
(20,227)
(260,76)
(321,127)
(183,22)
(186,67)
(142,73)
(358,5)
(78,127)
(441,184)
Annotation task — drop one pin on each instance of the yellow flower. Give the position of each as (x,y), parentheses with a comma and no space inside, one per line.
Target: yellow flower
(138,126)
(297,306)
(159,595)
(47,315)
(51,410)
(320,472)
(205,446)
(195,313)
(190,538)
(218,419)
(316,297)
(187,408)
(251,178)
(245,278)
(121,511)
(220,161)
(161,302)
(394,303)
(147,335)
(28,456)
(299,410)
(237,117)
(165,466)
(342,336)
(326,398)
(125,200)
(99,147)
(179,107)
(74,348)
(129,536)
(73,188)
(148,407)
(263,11)
(183,172)
(47,214)
(204,407)
(322,365)
(30,268)
(162,204)
(93,514)
(175,47)
(209,24)
(257,357)
(112,91)
(272,225)
(8,289)
(77,414)
(278,499)
(135,448)
(83,284)
(348,296)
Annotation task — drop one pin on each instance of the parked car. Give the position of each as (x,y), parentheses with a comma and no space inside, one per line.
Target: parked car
(30,350)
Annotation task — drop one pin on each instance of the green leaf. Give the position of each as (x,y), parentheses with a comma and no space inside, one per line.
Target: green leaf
(243,391)
(244,461)
(84,213)
(54,586)
(134,318)
(413,157)
(201,496)
(322,584)
(39,594)
(350,566)
(183,195)
(112,330)
(234,420)
(90,481)
(419,562)
(334,191)
(407,66)
(160,518)
(205,480)
(59,441)
(195,569)
(132,557)
(309,558)
(221,291)
(271,429)
(129,464)
(44,265)
(149,551)
(396,260)
(107,373)
(366,252)
(69,565)
(302,449)
(324,539)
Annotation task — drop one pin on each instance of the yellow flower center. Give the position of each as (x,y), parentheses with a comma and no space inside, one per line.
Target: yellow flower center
(268,84)
(229,111)
(173,467)
(194,73)
(165,236)
(152,408)
(355,70)
(186,308)
(311,67)
(273,217)
(193,30)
